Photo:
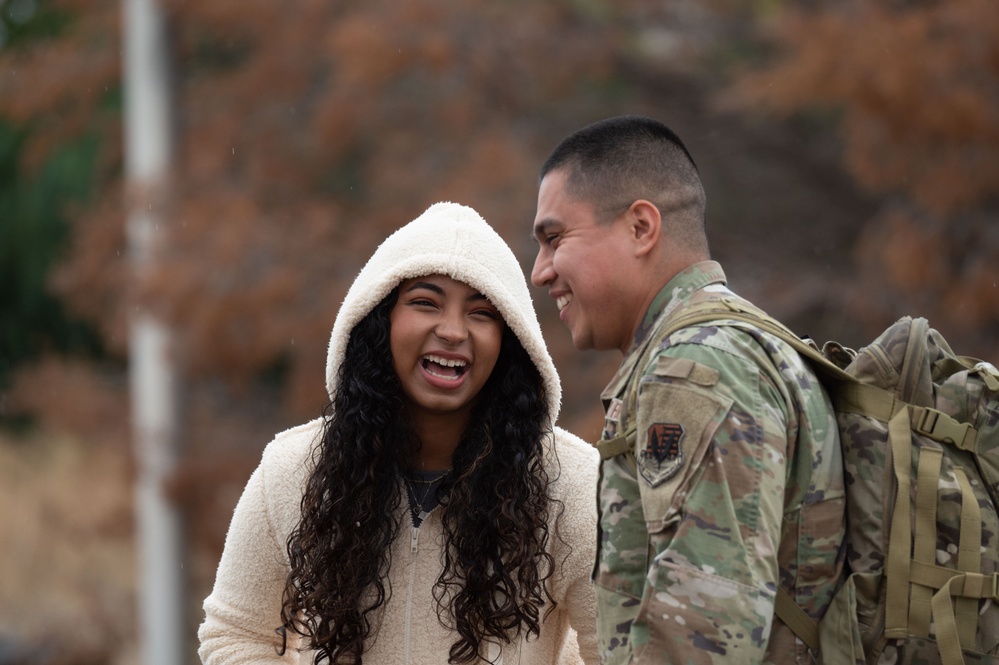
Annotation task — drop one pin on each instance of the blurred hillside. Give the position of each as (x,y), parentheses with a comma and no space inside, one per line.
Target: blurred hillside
(850,156)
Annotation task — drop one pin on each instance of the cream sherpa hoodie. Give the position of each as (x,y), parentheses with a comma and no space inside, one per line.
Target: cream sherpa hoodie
(243,609)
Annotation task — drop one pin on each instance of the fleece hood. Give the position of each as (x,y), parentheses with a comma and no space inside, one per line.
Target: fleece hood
(453,240)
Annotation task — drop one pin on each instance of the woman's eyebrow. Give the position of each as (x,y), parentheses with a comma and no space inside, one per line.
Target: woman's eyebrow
(425,285)
(439,291)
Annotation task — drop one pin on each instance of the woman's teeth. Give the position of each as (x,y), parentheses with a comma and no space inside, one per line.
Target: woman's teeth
(445,368)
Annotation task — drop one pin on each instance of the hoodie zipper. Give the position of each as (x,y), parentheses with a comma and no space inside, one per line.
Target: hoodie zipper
(495,651)
(414,550)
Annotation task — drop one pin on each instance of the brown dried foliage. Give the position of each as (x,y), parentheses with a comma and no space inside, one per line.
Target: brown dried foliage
(307,132)
(917,85)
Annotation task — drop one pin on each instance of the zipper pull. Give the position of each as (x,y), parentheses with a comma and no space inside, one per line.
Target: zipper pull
(415,537)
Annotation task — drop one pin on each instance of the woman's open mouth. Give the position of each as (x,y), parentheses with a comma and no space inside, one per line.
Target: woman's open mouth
(444,368)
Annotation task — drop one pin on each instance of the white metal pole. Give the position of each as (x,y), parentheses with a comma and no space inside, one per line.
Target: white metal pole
(153,373)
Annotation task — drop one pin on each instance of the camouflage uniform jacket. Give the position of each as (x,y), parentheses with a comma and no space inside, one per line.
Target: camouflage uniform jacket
(730,484)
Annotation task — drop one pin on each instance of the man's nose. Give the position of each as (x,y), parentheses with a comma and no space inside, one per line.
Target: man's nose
(543,272)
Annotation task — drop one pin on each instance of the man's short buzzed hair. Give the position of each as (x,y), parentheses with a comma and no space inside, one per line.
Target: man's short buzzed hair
(617,161)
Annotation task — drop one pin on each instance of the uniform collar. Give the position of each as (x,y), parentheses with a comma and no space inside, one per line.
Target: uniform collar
(672,296)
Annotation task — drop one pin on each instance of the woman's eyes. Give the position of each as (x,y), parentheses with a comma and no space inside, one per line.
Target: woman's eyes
(487,313)
(483,312)
(423,302)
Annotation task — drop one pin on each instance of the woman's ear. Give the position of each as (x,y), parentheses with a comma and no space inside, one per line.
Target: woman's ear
(646,225)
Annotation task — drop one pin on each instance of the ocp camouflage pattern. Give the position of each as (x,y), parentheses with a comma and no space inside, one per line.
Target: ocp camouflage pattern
(919,367)
(689,564)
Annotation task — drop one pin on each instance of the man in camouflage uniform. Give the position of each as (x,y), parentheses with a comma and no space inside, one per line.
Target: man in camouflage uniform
(721,478)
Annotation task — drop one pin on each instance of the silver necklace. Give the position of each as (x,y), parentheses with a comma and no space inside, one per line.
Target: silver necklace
(422,481)
(419,503)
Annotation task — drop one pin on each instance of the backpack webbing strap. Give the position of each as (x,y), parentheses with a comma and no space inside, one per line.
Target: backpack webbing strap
(897,558)
(925,543)
(865,399)
(968,557)
(971,585)
(952,585)
(913,615)
(796,619)
(881,404)
(962,585)
(947,640)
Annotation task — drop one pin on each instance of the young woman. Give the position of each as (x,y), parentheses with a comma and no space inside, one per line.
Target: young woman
(435,514)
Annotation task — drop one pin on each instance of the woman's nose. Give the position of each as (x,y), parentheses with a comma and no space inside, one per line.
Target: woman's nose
(452,328)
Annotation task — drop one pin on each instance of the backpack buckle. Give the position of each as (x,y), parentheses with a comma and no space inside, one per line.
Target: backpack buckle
(941,427)
(976,585)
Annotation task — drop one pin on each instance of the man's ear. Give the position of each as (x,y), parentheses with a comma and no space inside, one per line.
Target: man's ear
(646,225)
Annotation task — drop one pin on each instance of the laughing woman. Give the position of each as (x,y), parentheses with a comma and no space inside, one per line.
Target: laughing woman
(435,514)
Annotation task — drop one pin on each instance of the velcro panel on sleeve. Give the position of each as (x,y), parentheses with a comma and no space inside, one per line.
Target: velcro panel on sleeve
(687,369)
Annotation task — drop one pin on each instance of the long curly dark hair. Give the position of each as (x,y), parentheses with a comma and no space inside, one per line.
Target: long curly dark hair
(495,507)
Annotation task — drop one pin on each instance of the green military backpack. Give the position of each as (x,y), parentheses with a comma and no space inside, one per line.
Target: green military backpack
(919,428)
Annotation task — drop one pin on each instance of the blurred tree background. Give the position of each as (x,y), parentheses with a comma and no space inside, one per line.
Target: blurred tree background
(850,151)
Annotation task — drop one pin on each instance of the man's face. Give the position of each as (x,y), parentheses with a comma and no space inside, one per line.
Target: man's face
(585,266)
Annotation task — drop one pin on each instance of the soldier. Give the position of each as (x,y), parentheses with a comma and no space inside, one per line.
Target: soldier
(721,479)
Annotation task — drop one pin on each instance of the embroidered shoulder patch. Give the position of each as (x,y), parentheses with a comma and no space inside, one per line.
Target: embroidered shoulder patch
(662,456)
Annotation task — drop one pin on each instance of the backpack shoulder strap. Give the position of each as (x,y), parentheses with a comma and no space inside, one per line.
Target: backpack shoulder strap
(796,619)
(850,393)
(729,309)
(721,309)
